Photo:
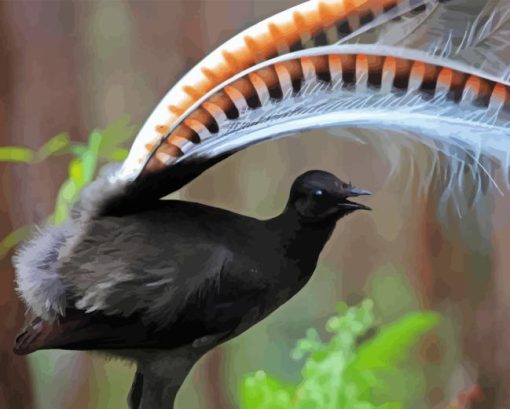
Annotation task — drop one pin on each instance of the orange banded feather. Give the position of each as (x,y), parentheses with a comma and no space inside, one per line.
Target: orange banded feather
(310,24)
(383,73)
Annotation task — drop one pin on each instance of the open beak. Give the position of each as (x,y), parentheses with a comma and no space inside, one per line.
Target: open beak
(354,192)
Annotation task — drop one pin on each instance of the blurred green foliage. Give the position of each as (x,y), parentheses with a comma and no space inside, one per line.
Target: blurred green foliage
(55,146)
(344,372)
(85,159)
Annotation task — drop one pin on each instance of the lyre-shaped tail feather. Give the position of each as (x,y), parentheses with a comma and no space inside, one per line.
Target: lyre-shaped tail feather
(255,87)
(310,24)
(351,85)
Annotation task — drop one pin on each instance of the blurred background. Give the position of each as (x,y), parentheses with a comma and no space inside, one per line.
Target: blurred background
(74,66)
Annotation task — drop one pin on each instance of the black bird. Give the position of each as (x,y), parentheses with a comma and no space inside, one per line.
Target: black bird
(166,284)
(178,278)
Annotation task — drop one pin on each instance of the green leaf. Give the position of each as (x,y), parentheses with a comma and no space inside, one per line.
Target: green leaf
(311,343)
(76,172)
(91,155)
(115,135)
(117,155)
(260,391)
(13,239)
(67,195)
(340,373)
(58,144)
(78,149)
(394,342)
(16,154)
(390,405)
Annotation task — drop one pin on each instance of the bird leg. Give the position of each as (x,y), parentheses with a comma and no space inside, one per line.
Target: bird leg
(135,394)
(159,377)
(152,392)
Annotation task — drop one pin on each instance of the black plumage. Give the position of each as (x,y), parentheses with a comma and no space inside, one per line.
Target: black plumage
(185,275)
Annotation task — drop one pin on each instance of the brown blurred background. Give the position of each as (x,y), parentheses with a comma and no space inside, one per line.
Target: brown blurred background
(77,65)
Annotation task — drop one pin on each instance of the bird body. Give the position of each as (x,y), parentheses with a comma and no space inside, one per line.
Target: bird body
(184,277)
(191,261)
(180,267)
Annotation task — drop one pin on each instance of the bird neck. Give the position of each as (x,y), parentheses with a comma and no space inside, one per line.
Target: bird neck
(302,241)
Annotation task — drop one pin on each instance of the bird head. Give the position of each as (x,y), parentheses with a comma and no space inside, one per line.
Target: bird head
(317,196)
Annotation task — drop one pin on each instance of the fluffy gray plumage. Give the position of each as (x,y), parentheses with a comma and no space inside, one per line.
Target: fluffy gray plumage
(37,266)
(38,263)
(111,264)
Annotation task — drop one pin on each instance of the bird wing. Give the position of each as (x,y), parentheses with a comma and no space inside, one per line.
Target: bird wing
(81,330)
(142,264)
(258,87)
(78,330)
(132,282)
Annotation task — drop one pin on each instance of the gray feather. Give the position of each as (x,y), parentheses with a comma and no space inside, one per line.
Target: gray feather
(36,264)
(132,264)
(38,261)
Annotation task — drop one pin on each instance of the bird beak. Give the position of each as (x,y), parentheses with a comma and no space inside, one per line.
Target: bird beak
(354,192)
(358,192)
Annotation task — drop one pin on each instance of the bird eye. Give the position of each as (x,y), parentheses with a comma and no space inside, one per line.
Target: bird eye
(318,193)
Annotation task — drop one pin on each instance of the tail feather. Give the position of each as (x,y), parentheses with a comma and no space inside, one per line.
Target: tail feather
(395,25)
(311,24)
(454,93)
(367,86)
(474,32)
(32,336)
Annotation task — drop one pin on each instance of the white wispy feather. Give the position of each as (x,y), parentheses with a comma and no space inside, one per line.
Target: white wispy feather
(394,26)
(476,32)
(463,126)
